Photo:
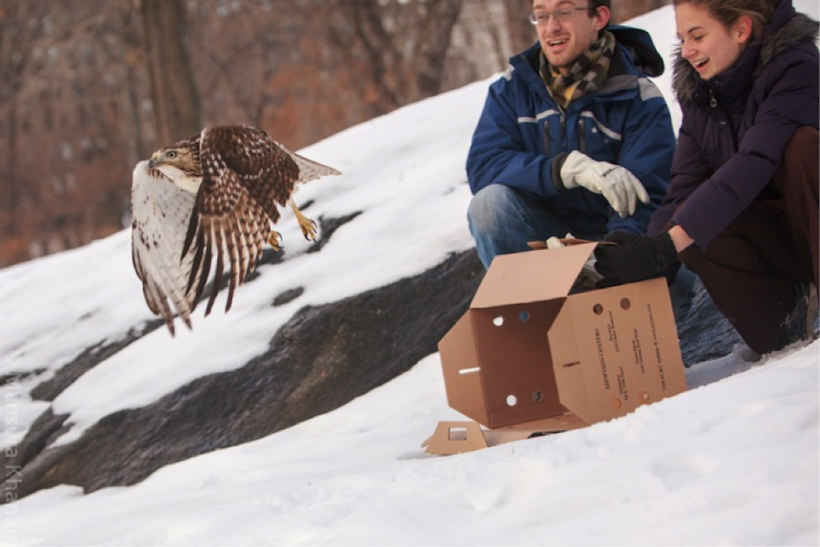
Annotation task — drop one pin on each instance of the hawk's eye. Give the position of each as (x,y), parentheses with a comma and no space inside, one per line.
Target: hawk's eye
(171,155)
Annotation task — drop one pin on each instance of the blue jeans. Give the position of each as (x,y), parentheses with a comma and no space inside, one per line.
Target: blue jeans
(503,221)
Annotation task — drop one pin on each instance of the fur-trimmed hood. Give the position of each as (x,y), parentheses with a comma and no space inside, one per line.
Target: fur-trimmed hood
(786,30)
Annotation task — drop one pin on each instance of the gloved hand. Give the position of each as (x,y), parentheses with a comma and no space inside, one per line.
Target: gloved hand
(620,187)
(635,257)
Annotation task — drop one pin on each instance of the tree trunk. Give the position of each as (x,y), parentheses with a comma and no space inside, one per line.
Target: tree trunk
(173,88)
(405,45)
(12,191)
(522,33)
(436,33)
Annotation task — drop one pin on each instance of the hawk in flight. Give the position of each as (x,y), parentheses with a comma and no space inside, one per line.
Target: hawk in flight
(214,195)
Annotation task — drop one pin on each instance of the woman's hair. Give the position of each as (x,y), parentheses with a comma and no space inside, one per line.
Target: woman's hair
(729,11)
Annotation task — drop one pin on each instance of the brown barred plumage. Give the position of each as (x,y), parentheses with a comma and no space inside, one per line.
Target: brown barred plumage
(240,177)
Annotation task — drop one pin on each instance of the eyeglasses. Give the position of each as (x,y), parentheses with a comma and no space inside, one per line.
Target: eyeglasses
(560,16)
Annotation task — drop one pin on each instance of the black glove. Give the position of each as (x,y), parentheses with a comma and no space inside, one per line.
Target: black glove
(635,257)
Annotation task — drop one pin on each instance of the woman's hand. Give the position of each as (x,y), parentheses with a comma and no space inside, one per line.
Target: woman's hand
(634,257)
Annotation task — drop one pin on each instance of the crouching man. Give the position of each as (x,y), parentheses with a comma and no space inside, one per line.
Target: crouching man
(574,138)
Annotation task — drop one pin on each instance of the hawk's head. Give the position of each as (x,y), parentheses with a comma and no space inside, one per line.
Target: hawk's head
(182,156)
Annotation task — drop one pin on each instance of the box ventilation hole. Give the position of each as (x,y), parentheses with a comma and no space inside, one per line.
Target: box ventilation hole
(625,303)
(598,309)
(512,400)
(498,321)
(469,370)
(524,316)
(537,396)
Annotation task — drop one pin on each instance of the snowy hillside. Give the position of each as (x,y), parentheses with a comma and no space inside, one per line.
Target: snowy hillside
(735,460)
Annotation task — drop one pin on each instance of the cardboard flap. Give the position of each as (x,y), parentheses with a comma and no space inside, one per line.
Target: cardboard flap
(567,366)
(455,438)
(531,276)
(555,424)
(458,437)
(627,350)
(461,368)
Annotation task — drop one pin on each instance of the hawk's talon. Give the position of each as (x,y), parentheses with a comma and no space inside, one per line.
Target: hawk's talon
(309,228)
(275,240)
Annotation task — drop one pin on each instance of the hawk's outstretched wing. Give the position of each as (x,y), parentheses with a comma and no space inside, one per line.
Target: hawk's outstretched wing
(160,212)
(245,176)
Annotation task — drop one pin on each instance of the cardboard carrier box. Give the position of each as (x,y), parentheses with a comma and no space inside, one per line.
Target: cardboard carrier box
(533,356)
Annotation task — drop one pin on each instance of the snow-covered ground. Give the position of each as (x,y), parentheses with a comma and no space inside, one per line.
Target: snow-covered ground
(735,460)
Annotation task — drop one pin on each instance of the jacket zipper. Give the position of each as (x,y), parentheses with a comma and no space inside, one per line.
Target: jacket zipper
(547,138)
(563,128)
(582,139)
(724,121)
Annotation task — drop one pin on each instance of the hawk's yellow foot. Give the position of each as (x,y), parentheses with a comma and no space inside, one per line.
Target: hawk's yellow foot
(275,240)
(307,226)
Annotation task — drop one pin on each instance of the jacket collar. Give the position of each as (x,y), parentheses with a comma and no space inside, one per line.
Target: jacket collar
(784,31)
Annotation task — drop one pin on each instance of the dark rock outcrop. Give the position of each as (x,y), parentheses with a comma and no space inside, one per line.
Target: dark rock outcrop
(323,358)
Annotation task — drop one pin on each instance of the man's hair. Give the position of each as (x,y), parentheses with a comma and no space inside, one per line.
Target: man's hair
(594,4)
(593,8)
(729,11)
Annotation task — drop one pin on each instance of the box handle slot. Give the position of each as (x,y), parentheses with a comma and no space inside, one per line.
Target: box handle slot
(457,434)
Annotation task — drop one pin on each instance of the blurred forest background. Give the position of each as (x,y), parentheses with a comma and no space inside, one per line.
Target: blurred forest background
(90,87)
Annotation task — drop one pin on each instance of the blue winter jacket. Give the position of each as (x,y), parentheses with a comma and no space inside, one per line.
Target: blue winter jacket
(523,136)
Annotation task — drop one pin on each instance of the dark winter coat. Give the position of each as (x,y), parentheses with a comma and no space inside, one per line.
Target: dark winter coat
(736,126)
(522,131)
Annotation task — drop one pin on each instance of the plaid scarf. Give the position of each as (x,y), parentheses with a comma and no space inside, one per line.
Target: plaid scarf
(586,76)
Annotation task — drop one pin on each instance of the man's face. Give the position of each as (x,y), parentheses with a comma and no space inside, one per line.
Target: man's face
(565,37)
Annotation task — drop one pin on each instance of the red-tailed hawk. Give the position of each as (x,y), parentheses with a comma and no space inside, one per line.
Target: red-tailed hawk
(212,195)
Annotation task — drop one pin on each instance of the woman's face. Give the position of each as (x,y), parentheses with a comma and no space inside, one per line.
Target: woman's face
(706,43)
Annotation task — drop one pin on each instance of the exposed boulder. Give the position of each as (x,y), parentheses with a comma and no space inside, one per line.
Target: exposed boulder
(321,359)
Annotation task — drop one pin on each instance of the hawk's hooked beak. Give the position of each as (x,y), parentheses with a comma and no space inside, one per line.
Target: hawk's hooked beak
(154,161)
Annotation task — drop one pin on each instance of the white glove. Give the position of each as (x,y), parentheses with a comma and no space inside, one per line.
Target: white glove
(555,243)
(620,187)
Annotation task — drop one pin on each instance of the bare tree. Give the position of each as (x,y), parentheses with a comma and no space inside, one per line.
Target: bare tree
(522,33)
(173,88)
(403,44)
(21,25)
(76,108)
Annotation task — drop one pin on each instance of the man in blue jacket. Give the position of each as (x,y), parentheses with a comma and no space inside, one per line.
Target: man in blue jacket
(574,138)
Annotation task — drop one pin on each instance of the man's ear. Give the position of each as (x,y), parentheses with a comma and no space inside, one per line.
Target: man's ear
(603,17)
(742,29)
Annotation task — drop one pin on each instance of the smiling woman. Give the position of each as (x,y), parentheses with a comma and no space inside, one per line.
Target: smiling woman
(742,208)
